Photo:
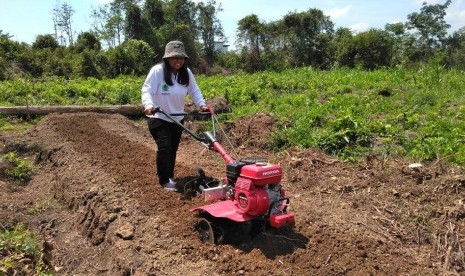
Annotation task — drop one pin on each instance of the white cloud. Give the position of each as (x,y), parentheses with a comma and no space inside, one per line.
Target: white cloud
(338,12)
(359,27)
(456,15)
(456,18)
(429,2)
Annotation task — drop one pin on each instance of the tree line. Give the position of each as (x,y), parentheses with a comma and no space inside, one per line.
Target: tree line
(128,36)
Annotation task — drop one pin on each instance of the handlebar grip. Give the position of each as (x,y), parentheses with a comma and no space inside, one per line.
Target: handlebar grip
(211,110)
(155,110)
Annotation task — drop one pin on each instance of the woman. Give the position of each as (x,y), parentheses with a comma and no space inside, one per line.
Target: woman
(166,87)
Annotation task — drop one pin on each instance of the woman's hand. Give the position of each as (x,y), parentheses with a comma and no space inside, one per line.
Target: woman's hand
(204,108)
(148,111)
(151,110)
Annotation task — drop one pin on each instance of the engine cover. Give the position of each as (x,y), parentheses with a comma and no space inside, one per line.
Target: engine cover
(250,199)
(262,173)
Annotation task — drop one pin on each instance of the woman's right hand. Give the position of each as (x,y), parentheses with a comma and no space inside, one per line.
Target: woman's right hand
(151,110)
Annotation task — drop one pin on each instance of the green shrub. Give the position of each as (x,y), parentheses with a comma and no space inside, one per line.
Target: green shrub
(19,169)
(18,243)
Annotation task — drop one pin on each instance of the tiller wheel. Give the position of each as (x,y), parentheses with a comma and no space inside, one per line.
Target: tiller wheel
(209,233)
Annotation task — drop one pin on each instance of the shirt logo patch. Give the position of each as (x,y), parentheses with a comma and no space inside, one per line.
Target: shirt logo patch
(164,87)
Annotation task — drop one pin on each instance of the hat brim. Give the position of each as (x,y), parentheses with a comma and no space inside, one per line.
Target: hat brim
(175,55)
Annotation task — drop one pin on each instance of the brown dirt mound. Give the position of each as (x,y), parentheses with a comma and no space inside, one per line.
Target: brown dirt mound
(105,214)
(252,131)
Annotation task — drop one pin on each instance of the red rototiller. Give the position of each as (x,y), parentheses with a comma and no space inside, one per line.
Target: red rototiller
(248,200)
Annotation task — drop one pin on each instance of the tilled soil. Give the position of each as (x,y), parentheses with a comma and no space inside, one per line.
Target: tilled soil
(95,203)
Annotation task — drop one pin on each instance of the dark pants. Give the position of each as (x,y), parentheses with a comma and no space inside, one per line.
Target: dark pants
(167,136)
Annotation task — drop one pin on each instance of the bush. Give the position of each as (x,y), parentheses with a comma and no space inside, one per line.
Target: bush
(17,168)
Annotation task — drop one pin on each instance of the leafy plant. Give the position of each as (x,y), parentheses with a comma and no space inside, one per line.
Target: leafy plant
(18,243)
(19,169)
(39,207)
(10,123)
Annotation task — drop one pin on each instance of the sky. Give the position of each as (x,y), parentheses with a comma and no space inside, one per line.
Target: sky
(25,19)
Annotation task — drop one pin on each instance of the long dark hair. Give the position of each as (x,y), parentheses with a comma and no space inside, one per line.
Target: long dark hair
(183,75)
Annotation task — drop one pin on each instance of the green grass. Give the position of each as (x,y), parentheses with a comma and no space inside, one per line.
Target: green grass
(11,123)
(19,169)
(413,113)
(39,207)
(18,243)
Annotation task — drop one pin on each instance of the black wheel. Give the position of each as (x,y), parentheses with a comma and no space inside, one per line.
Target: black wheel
(209,232)
(191,188)
(205,230)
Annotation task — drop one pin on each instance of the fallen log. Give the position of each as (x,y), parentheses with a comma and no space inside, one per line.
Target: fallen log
(127,110)
(220,105)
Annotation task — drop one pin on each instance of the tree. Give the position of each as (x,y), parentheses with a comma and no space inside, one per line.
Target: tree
(250,31)
(62,21)
(45,41)
(5,35)
(153,12)
(141,55)
(108,21)
(87,67)
(114,29)
(373,49)
(102,27)
(16,60)
(9,50)
(210,27)
(181,12)
(306,33)
(274,54)
(456,49)
(131,57)
(430,26)
(89,41)
(402,42)
(60,62)
(135,26)
(343,47)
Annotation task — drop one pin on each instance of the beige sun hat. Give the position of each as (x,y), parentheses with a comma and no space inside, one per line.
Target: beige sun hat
(175,49)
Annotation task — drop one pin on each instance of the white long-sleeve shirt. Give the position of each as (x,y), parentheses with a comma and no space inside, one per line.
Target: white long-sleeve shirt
(171,99)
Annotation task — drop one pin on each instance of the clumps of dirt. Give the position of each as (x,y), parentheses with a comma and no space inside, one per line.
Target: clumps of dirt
(301,161)
(219,105)
(252,131)
(5,165)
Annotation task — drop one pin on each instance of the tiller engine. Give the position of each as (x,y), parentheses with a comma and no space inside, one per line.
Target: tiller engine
(249,198)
